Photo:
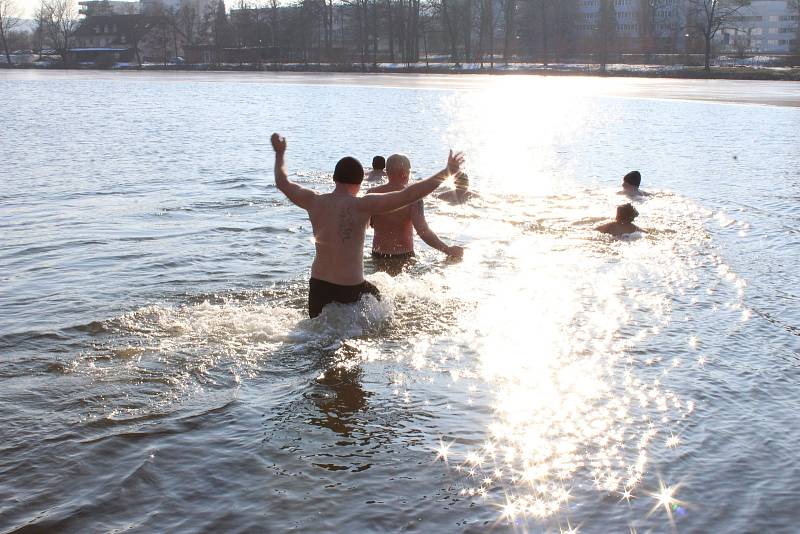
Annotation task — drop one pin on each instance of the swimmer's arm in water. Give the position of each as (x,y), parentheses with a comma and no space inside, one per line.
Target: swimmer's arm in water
(429,236)
(298,194)
(375,203)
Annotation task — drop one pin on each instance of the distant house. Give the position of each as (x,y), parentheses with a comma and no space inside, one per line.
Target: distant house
(110,38)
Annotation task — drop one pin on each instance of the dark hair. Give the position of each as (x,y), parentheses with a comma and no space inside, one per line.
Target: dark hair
(378,163)
(626,212)
(633,178)
(348,171)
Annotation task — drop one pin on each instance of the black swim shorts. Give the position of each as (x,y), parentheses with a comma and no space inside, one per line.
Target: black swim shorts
(401,256)
(321,293)
(392,264)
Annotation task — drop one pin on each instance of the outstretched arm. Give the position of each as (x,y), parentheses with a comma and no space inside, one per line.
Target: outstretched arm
(383,202)
(429,236)
(298,194)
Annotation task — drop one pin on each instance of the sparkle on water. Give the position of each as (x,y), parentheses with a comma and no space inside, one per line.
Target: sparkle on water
(552,363)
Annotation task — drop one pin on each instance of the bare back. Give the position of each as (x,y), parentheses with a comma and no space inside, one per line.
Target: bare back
(617,228)
(394,232)
(339,229)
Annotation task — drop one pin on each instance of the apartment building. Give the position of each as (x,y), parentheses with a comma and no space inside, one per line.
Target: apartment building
(765,26)
(640,24)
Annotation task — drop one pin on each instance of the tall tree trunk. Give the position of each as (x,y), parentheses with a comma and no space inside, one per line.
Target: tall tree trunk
(5,44)
(413,49)
(451,33)
(375,33)
(511,6)
(545,31)
(467,22)
(390,20)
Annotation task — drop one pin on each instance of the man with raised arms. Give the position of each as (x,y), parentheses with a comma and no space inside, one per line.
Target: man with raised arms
(393,242)
(339,221)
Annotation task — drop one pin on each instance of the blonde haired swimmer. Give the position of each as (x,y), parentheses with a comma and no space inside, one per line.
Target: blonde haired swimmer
(394,232)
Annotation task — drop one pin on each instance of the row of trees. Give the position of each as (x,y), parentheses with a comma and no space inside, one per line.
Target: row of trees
(397,30)
(477,30)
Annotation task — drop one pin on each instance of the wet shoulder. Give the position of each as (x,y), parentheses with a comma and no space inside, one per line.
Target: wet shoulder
(385,188)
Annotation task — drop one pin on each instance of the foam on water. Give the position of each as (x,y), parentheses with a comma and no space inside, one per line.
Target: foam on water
(160,360)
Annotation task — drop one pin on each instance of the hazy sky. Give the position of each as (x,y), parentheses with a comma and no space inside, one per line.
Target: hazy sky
(29,6)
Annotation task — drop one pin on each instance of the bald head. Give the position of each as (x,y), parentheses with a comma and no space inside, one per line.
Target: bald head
(397,164)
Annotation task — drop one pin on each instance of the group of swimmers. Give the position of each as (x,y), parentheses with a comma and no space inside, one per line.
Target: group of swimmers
(340,219)
(626,213)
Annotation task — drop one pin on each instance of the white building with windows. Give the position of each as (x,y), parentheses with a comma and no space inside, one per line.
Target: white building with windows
(662,22)
(765,26)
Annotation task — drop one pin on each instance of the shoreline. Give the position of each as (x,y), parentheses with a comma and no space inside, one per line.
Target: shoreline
(791,74)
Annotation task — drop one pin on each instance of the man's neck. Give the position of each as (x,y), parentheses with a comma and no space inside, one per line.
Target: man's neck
(347,189)
(400,181)
(628,188)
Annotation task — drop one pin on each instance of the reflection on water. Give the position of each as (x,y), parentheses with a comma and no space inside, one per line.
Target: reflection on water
(555,379)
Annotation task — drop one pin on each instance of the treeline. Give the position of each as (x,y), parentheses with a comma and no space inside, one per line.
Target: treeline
(372,31)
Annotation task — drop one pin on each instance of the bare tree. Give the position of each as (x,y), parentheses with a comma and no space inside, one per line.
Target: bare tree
(794,7)
(168,21)
(60,24)
(137,32)
(707,17)
(606,32)
(188,20)
(466,28)
(648,25)
(509,13)
(9,19)
(486,31)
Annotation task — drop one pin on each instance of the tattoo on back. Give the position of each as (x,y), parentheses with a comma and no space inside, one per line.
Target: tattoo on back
(345,224)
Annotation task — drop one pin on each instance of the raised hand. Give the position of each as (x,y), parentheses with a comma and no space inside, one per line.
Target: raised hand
(278,143)
(454,162)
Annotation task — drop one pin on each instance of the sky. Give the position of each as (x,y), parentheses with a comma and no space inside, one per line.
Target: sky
(28,7)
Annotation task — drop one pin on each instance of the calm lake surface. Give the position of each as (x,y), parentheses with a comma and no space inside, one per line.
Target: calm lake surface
(158,371)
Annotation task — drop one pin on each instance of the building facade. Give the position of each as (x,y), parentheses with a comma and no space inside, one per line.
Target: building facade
(640,25)
(765,26)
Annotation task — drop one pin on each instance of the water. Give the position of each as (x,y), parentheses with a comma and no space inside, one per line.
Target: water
(159,373)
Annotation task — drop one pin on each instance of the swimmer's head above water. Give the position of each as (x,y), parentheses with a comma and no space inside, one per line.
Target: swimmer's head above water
(398,167)
(626,213)
(378,163)
(348,171)
(633,179)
